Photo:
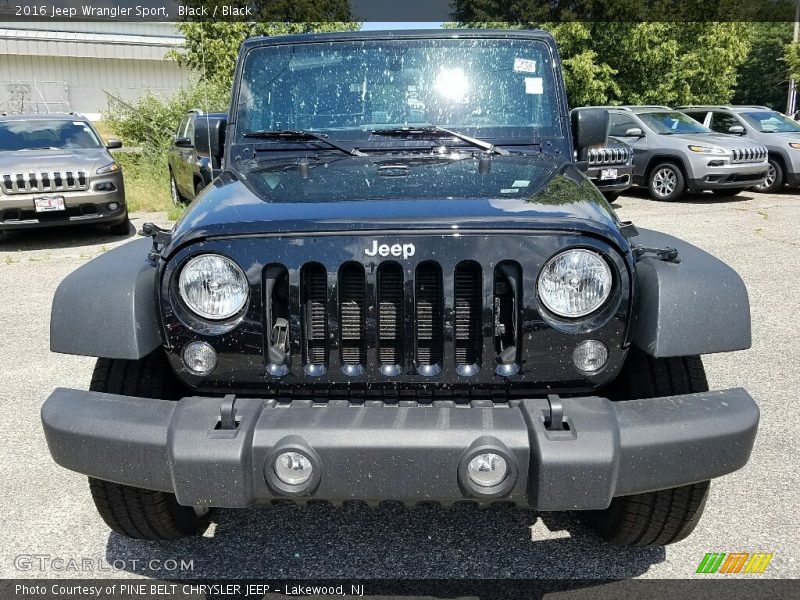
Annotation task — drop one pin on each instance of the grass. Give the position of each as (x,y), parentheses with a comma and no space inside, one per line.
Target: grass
(146,179)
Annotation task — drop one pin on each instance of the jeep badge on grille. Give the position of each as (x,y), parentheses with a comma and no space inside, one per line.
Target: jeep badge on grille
(404,250)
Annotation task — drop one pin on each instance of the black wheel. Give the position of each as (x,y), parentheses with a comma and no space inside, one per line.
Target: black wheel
(174,194)
(122,228)
(665,516)
(728,192)
(774,179)
(611,196)
(131,511)
(666,182)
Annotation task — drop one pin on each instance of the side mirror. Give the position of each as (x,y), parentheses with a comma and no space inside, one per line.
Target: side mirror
(183,142)
(590,127)
(634,132)
(113,144)
(736,129)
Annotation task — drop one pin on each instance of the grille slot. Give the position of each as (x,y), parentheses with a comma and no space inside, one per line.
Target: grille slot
(390,318)
(467,284)
(352,332)
(314,283)
(428,315)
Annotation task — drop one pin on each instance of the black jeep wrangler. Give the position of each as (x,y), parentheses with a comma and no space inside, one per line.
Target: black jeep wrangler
(402,288)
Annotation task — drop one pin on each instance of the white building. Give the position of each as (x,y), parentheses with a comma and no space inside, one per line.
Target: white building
(75,66)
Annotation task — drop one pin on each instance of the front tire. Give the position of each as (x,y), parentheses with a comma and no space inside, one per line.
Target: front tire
(665,516)
(775,177)
(122,228)
(666,182)
(130,511)
(174,194)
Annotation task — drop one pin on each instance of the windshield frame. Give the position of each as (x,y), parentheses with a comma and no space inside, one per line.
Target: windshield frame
(45,124)
(699,127)
(364,139)
(756,123)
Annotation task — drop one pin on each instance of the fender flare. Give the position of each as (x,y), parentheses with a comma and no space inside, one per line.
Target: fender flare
(697,306)
(107,307)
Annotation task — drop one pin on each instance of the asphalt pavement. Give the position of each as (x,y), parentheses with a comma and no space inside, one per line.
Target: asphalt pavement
(47,512)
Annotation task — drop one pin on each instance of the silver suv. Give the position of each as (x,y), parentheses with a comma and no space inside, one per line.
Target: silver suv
(764,126)
(55,170)
(673,153)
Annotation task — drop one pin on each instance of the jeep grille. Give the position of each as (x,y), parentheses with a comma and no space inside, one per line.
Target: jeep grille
(608,156)
(747,155)
(55,181)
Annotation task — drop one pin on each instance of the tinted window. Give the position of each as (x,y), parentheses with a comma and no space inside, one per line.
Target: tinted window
(620,123)
(491,87)
(673,122)
(722,122)
(189,133)
(182,127)
(771,121)
(43,135)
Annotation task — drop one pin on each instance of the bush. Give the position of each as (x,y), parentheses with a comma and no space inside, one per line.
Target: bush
(151,121)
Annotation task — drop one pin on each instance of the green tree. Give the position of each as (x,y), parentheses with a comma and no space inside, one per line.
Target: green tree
(211,47)
(632,61)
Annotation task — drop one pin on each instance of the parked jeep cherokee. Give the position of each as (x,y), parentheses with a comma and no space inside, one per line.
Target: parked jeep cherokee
(610,167)
(777,132)
(402,288)
(195,157)
(673,154)
(55,170)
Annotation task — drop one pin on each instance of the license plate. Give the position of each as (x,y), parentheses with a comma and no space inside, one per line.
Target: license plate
(608,174)
(49,203)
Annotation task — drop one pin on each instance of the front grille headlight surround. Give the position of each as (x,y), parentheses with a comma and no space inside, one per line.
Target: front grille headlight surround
(213,287)
(575,283)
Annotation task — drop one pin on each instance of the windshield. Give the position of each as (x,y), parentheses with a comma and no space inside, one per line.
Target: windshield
(39,134)
(770,121)
(489,88)
(672,123)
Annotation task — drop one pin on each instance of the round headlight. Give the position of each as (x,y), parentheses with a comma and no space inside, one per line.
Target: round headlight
(575,283)
(213,286)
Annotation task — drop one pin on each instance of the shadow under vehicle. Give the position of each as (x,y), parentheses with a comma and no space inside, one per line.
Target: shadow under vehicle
(401,287)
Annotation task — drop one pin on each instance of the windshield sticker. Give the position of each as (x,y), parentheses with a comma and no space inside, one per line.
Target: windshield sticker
(533,85)
(509,190)
(272,180)
(521,183)
(524,65)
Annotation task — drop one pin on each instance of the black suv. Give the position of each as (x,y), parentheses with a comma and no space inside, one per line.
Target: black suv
(195,157)
(402,288)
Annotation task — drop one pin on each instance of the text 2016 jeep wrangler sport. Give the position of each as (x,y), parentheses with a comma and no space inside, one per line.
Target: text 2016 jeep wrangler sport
(401,288)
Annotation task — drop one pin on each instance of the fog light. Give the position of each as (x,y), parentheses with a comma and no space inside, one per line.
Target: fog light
(200,358)
(487,470)
(590,356)
(293,468)
(113,206)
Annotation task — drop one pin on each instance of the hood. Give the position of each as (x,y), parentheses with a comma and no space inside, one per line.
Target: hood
(36,161)
(727,141)
(398,193)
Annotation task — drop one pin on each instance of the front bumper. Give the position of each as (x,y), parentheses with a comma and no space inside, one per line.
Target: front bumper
(728,176)
(622,182)
(407,451)
(82,207)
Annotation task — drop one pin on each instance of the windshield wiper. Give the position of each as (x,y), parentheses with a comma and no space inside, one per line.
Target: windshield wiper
(302,135)
(436,131)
